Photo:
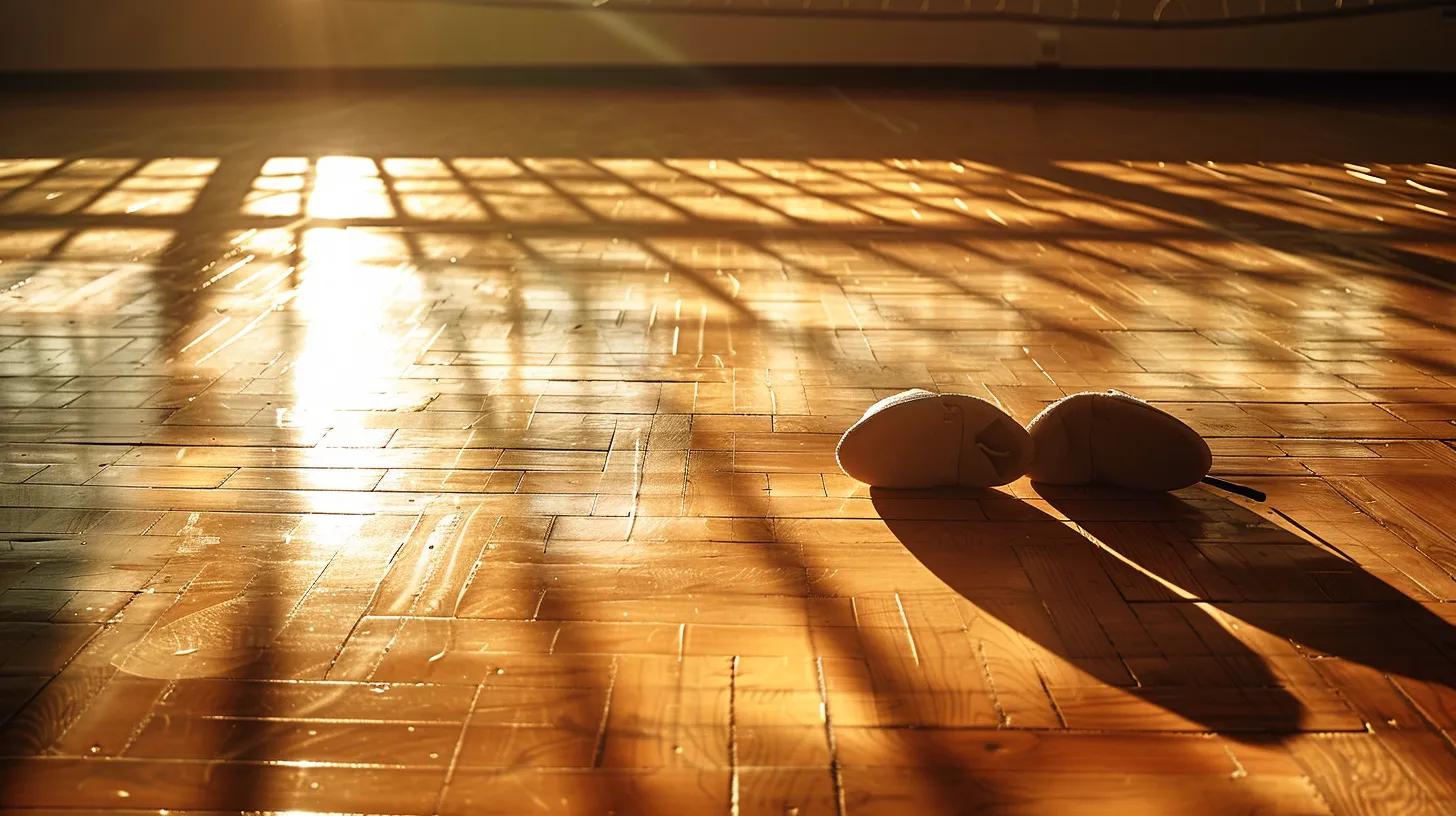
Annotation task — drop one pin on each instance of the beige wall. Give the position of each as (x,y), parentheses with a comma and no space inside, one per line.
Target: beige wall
(68,35)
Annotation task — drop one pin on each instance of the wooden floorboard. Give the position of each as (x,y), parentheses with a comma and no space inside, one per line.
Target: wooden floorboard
(471,450)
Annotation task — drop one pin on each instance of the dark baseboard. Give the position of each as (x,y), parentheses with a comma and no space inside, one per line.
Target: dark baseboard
(1339,85)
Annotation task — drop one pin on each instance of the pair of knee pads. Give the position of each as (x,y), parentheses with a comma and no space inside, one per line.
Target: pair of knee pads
(920,439)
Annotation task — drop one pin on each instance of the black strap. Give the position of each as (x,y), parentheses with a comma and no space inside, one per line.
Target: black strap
(1238,489)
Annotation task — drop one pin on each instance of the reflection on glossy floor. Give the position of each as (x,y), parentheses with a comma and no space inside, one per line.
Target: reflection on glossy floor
(472,452)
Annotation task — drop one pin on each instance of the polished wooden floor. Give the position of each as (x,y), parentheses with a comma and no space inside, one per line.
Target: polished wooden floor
(443,449)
